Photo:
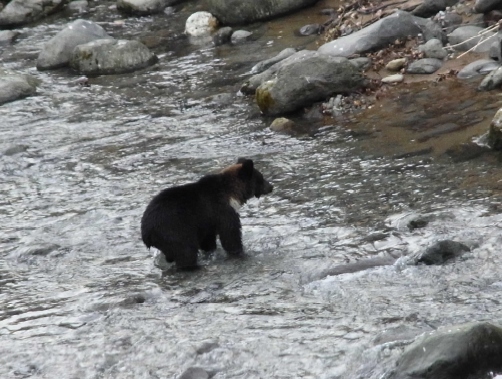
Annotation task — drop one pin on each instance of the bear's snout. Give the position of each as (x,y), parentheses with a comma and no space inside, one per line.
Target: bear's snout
(267,188)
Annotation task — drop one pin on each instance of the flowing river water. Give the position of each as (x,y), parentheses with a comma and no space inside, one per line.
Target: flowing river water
(81,297)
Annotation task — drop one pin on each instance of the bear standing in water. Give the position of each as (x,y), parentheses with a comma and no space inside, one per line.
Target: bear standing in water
(183,219)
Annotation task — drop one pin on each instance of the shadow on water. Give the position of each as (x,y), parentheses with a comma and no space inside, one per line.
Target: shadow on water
(81,295)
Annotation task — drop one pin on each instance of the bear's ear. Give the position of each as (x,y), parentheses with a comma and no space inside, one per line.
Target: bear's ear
(247,167)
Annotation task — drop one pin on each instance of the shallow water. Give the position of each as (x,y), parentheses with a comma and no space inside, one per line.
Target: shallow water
(82,297)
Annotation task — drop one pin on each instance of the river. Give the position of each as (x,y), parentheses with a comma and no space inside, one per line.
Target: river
(83,298)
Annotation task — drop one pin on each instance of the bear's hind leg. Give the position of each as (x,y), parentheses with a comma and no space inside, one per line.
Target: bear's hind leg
(208,243)
(165,247)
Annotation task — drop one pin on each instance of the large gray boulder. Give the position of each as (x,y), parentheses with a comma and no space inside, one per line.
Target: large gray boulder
(378,35)
(249,87)
(20,12)
(57,52)
(234,12)
(483,6)
(302,83)
(459,352)
(15,86)
(477,68)
(109,56)
(467,37)
(263,65)
(144,7)
(430,7)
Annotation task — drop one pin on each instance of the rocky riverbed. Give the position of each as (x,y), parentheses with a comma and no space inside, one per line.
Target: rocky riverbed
(380,241)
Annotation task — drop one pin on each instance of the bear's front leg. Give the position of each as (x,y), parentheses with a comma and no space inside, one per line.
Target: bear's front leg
(230,233)
(186,255)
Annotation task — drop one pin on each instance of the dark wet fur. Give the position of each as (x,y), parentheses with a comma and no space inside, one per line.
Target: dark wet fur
(183,219)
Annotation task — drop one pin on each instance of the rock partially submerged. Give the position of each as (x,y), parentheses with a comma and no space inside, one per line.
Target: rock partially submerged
(109,56)
(223,36)
(263,65)
(8,36)
(21,12)
(240,36)
(458,352)
(304,82)
(195,373)
(495,132)
(14,86)
(282,124)
(57,52)
(442,251)
(201,24)
(238,12)
(249,87)
(143,7)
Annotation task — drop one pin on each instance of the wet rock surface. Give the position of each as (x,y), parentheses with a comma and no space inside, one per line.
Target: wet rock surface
(442,251)
(250,85)
(8,36)
(57,52)
(201,24)
(238,12)
(143,7)
(222,36)
(462,351)
(108,56)
(262,66)
(494,139)
(317,77)
(14,86)
(282,124)
(21,12)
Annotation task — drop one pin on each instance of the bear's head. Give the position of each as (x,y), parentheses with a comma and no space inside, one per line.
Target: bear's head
(246,182)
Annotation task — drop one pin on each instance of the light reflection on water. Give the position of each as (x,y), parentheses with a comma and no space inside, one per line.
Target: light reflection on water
(81,296)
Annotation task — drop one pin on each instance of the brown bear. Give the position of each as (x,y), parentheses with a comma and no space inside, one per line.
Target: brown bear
(183,219)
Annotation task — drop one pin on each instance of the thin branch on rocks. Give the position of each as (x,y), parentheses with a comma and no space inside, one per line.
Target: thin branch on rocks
(381,7)
(480,33)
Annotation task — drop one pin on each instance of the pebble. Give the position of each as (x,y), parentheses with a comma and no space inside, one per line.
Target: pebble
(396,64)
(396,78)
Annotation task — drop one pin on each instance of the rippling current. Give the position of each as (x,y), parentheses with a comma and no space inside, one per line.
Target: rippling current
(83,298)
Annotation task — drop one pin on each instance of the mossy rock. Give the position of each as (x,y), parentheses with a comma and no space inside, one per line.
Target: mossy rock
(264,98)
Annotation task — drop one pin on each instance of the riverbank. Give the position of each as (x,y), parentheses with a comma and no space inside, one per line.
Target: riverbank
(336,282)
